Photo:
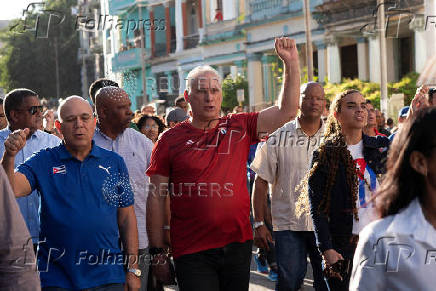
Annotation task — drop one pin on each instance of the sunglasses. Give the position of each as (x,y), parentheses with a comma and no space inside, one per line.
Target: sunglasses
(33,109)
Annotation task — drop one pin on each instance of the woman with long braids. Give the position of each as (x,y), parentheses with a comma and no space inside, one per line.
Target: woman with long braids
(398,252)
(340,184)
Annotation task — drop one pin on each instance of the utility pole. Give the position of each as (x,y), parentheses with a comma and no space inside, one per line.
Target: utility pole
(58,90)
(309,50)
(383,62)
(141,30)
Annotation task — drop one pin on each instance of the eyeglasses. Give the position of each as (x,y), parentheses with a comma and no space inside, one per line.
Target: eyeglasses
(154,126)
(32,110)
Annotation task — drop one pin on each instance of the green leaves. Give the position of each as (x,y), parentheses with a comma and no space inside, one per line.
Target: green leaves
(29,61)
(230,87)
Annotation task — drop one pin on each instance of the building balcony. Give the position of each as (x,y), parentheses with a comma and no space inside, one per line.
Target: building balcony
(129,59)
(160,49)
(191,41)
(330,12)
(267,9)
(117,6)
(222,30)
(261,9)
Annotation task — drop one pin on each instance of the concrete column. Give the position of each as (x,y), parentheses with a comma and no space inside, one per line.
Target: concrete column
(168,26)
(322,61)
(392,68)
(182,81)
(179,25)
(374,60)
(430,32)
(234,72)
(152,31)
(220,70)
(362,59)
(170,82)
(420,50)
(240,66)
(200,20)
(254,74)
(333,62)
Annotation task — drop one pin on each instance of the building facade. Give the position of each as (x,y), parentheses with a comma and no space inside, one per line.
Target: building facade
(90,54)
(237,37)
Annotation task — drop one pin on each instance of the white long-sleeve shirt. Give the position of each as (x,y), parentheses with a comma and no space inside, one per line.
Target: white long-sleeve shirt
(396,253)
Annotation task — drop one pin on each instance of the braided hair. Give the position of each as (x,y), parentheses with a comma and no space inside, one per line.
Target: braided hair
(332,151)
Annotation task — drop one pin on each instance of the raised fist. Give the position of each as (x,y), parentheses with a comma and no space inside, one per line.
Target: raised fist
(286,49)
(16,141)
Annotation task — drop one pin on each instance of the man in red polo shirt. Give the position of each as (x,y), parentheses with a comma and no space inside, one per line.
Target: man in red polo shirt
(201,164)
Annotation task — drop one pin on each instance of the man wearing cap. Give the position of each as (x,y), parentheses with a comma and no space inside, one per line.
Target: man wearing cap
(402,116)
(176,116)
(112,133)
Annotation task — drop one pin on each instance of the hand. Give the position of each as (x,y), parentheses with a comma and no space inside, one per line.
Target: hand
(420,100)
(133,283)
(48,120)
(286,49)
(16,141)
(261,237)
(331,256)
(161,269)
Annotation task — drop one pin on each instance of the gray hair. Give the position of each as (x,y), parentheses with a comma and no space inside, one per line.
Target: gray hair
(194,73)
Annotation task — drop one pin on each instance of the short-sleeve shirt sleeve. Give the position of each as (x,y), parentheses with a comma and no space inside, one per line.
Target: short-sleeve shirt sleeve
(265,162)
(160,159)
(251,125)
(126,197)
(30,168)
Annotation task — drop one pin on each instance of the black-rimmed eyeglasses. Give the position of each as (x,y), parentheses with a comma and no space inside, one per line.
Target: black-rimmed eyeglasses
(32,110)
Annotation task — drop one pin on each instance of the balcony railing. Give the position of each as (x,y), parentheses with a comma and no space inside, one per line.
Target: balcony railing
(160,49)
(191,41)
(262,9)
(116,6)
(265,9)
(128,59)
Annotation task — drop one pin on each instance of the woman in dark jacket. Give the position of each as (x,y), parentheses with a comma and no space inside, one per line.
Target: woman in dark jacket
(340,185)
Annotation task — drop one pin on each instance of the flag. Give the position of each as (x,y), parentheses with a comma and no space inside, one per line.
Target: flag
(60,170)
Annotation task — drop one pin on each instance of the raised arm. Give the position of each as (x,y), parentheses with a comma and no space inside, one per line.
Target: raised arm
(274,117)
(13,144)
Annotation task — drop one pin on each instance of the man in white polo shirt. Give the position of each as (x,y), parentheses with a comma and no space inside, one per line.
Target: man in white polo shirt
(113,133)
(283,162)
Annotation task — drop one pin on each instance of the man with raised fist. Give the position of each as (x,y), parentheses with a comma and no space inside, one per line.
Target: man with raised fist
(201,165)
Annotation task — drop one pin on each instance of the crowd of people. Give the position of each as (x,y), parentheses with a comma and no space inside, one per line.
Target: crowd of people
(97,197)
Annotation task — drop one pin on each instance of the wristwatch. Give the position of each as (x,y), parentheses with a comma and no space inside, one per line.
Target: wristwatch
(155,251)
(135,272)
(256,224)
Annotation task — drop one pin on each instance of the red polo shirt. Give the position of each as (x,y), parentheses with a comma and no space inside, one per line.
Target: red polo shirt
(207,171)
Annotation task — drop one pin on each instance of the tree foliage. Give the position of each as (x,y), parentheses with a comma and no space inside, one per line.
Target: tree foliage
(230,88)
(28,60)
(371,91)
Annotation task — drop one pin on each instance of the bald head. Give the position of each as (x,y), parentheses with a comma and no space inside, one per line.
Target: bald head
(110,95)
(312,100)
(114,114)
(72,104)
(306,87)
